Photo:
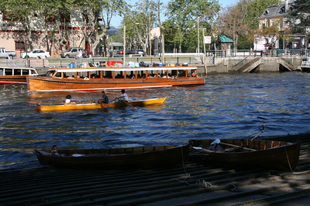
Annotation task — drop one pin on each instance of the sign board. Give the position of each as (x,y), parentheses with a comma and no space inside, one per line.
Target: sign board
(207,39)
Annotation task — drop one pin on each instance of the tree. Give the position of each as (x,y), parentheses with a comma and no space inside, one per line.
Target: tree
(299,17)
(138,21)
(232,21)
(241,20)
(182,18)
(110,8)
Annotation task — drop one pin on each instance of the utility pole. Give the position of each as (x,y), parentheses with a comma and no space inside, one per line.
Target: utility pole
(204,50)
(150,43)
(124,47)
(162,35)
(198,35)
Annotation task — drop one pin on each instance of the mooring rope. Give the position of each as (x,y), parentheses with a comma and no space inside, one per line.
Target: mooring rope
(198,182)
(289,164)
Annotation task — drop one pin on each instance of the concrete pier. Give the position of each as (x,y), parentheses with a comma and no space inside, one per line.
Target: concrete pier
(251,64)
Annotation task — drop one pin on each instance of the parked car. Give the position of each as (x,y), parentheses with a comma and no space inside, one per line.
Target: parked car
(120,52)
(72,52)
(37,53)
(6,54)
(130,51)
(141,52)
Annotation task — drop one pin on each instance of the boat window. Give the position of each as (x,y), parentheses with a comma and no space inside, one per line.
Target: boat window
(48,73)
(152,74)
(141,74)
(58,74)
(25,71)
(95,74)
(17,72)
(8,72)
(162,74)
(172,74)
(107,74)
(192,73)
(119,75)
(1,71)
(69,75)
(130,74)
(82,75)
(33,71)
(181,73)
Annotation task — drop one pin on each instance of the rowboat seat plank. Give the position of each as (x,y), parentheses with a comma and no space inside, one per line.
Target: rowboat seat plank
(232,145)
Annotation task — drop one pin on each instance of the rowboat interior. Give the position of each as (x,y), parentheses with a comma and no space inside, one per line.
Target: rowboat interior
(236,145)
(15,75)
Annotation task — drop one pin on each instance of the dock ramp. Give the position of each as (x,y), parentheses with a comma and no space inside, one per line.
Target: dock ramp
(286,64)
(251,65)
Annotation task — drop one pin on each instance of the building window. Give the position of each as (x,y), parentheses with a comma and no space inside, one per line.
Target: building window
(19,46)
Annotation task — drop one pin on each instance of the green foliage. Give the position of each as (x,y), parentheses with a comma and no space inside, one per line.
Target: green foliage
(255,9)
(244,43)
(181,25)
(299,17)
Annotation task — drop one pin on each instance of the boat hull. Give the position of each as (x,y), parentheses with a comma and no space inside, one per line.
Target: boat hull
(283,157)
(51,84)
(13,80)
(123,158)
(98,106)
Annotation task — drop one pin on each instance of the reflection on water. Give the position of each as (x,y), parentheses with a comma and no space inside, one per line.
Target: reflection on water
(226,106)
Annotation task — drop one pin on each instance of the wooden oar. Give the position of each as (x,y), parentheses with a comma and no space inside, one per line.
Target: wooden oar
(233,145)
(130,105)
(124,102)
(105,106)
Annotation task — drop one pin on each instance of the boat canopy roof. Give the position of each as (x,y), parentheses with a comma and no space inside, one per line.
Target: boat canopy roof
(12,67)
(90,69)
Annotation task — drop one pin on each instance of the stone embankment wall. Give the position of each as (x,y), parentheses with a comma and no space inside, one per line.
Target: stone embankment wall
(232,64)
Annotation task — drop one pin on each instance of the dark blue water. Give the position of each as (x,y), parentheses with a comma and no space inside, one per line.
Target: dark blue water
(227,106)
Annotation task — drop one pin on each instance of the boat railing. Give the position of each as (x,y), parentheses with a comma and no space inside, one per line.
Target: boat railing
(305,64)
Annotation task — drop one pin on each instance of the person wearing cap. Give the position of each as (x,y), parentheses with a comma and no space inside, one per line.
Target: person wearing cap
(124,96)
(104,99)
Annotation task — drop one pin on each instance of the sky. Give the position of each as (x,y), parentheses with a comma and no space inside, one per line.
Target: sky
(116,21)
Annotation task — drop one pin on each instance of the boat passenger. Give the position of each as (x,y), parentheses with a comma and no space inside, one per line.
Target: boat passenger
(193,74)
(104,99)
(68,100)
(123,97)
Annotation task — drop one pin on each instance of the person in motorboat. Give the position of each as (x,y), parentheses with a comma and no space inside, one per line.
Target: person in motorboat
(104,99)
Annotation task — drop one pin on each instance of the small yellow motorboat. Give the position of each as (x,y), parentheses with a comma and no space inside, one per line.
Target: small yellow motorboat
(49,108)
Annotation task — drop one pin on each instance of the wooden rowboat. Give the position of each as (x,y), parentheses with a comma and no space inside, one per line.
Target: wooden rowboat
(49,108)
(246,153)
(122,158)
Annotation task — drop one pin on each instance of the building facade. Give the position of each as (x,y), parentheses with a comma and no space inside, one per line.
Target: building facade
(69,30)
(274,15)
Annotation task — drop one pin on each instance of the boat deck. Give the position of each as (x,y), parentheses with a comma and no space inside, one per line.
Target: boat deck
(195,183)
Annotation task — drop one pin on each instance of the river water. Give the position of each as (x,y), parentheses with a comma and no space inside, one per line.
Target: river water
(227,106)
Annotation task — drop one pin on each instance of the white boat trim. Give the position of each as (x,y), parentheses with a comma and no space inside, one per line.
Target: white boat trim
(90,69)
